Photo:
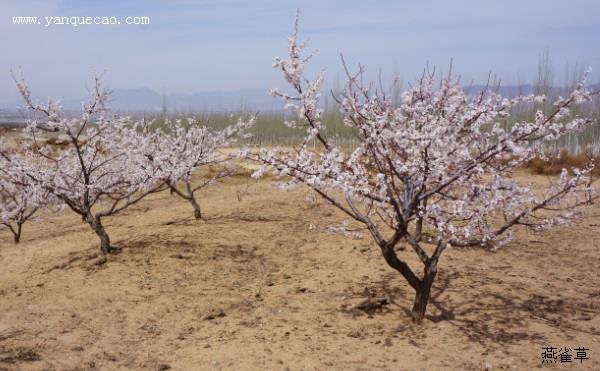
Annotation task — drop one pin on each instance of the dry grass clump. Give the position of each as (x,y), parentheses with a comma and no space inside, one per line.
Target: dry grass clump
(555,164)
(217,171)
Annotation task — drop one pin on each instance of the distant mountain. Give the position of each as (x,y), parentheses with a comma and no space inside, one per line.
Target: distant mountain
(148,100)
(246,99)
(514,90)
(135,99)
(145,99)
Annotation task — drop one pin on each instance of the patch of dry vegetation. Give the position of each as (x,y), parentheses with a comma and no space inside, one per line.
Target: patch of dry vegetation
(564,160)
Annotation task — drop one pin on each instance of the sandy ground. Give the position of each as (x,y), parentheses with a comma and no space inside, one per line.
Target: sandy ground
(252,288)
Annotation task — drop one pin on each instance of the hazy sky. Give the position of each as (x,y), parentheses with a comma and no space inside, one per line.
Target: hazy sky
(228,45)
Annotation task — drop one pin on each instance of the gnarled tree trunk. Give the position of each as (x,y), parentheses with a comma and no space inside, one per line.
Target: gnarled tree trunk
(96,224)
(196,206)
(17,233)
(423,292)
(192,200)
(422,286)
(189,196)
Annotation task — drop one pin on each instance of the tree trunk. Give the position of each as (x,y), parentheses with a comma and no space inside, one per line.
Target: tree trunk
(196,206)
(421,286)
(97,226)
(17,233)
(423,292)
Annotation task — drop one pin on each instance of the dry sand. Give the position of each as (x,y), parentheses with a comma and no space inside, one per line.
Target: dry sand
(252,288)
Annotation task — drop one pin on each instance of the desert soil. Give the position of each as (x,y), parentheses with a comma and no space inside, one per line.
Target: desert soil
(253,288)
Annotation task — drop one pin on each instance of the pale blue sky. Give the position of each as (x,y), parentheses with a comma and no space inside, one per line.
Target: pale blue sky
(228,45)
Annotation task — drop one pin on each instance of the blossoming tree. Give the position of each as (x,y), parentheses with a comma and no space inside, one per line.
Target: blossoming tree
(21,198)
(100,170)
(180,148)
(434,173)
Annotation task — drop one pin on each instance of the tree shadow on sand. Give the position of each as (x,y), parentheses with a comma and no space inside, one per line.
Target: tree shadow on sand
(491,317)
